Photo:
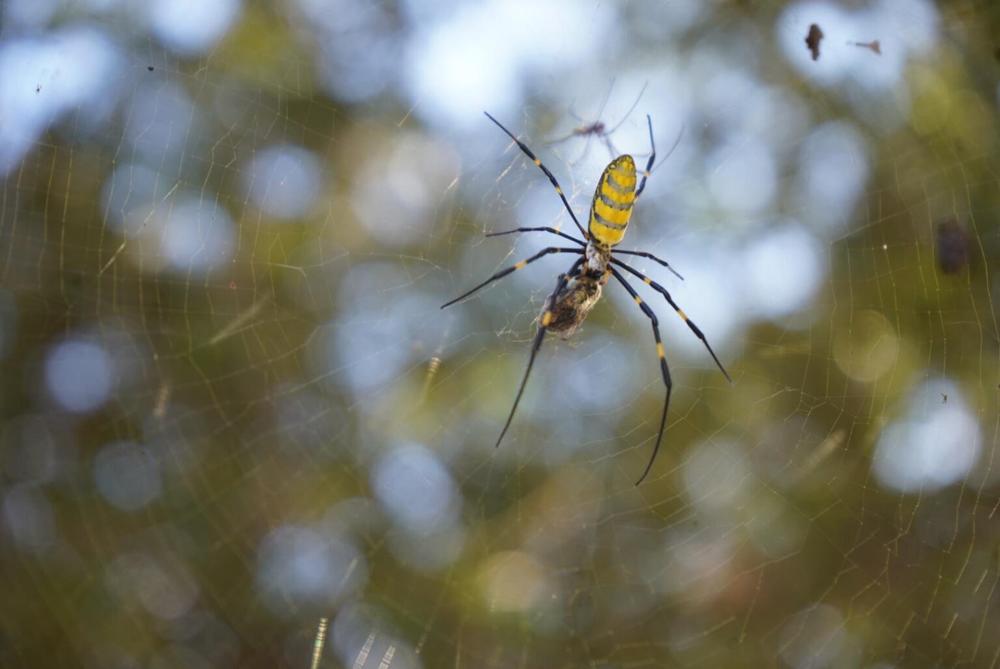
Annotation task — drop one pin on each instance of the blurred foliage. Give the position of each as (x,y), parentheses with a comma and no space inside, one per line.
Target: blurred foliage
(562,562)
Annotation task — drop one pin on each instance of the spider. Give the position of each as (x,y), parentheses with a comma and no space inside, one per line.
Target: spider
(578,289)
(599,128)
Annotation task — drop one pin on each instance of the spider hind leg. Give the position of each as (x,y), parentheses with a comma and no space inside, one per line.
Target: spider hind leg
(543,326)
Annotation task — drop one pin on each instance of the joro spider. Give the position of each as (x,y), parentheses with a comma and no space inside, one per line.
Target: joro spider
(579,289)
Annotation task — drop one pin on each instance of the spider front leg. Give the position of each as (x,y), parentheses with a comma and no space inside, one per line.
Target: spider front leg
(643,254)
(513,268)
(649,163)
(538,163)
(664,368)
(542,229)
(543,323)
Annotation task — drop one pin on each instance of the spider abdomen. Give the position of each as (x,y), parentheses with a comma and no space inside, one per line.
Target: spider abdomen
(570,307)
(611,208)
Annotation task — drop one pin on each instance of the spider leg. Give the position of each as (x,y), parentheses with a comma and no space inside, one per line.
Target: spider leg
(537,343)
(651,257)
(673,148)
(664,368)
(545,229)
(630,109)
(577,132)
(649,163)
(543,168)
(612,151)
(513,268)
(596,126)
(694,328)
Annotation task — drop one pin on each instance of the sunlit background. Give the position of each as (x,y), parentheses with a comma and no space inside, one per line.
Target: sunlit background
(233,412)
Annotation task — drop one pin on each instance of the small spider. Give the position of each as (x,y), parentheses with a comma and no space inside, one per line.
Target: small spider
(599,128)
(578,290)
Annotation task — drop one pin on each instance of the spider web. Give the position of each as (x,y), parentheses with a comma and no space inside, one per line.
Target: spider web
(233,409)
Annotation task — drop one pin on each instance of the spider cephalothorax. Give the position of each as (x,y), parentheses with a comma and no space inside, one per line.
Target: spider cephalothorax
(578,290)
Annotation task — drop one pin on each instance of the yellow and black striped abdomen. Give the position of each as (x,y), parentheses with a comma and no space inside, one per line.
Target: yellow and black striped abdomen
(613,199)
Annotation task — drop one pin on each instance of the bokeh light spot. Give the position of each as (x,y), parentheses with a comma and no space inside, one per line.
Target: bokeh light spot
(833,164)
(513,581)
(164,590)
(297,565)
(416,489)
(127,475)
(784,267)
(79,374)
(283,180)
(191,27)
(742,176)
(935,444)
(715,475)
(197,235)
(28,517)
(866,346)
